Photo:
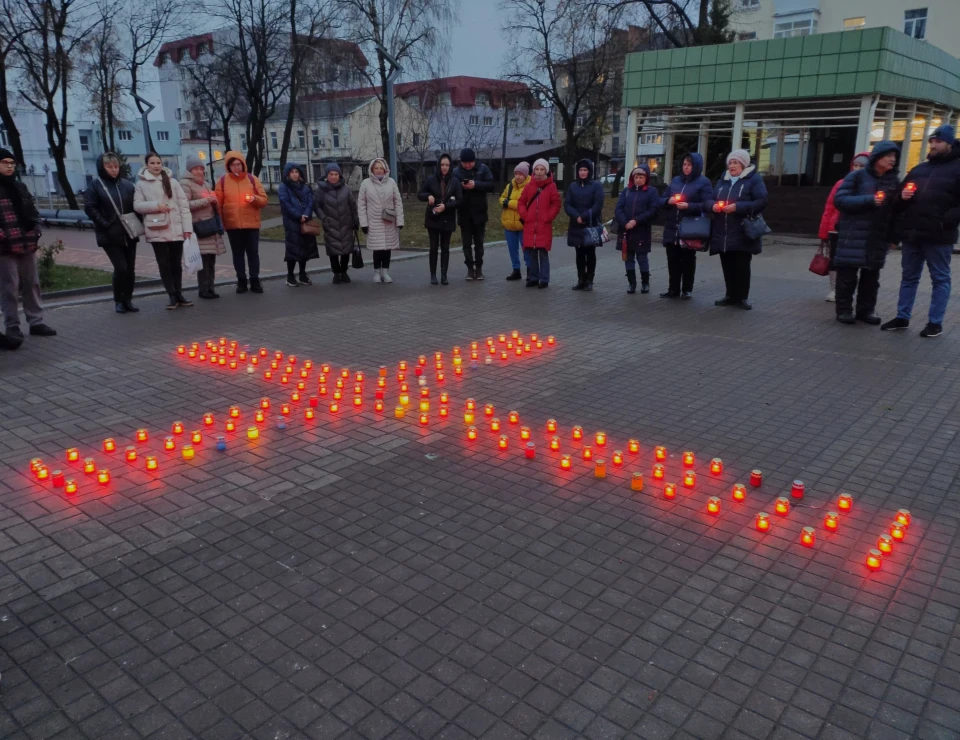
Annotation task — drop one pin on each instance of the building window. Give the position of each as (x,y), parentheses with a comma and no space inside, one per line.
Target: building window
(188,115)
(163,136)
(615,123)
(749,4)
(474,120)
(803,27)
(3,136)
(201,48)
(852,23)
(125,135)
(217,155)
(443,98)
(579,121)
(488,120)
(442,146)
(178,114)
(482,99)
(273,140)
(301,139)
(416,140)
(399,140)
(243,142)
(201,155)
(315,137)
(746,36)
(84,142)
(616,144)
(915,23)
(653,138)
(335,132)
(161,58)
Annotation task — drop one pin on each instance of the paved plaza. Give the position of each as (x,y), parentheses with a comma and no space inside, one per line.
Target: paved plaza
(359,576)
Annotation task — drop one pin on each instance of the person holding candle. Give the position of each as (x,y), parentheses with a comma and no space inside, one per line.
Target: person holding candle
(828,223)
(476,180)
(739,194)
(337,209)
(241,197)
(865,232)
(106,201)
(686,197)
(539,207)
(510,217)
(19,241)
(380,209)
(929,215)
(443,195)
(296,207)
(167,221)
(206,223)
(583,203)
(636,208)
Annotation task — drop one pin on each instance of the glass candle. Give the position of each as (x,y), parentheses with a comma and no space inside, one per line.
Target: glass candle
(782,506)
(142,435)
(399,412)
(169,443)
(600,469)
(551,340)
(756,478)
(295,396)
(577,433)
(131,454)
(587,452)
(689,479)
(503,442)
(713,505)
(264,403)
(669,490)
(471,433)
(903,517)
(103,477)
(659,453)
(530,450)
(70,486)
(377,405)
(716,466)
(874,559)
(259,417)
(600,438)
(334,407)
(252,433)
(43,472)
(402,366)
(187,452)
(109,445)
(151,463)
(514,417)
(440,376)
(424,419)
(617,458)
(808,536)
(285,409)
(633,446)
(524,433)
(636,482)
(658,471)
(845,502)
(444,412)
(551,426)
(763,521)
(444,397)
(468,417)
(231,425)
(566,462)
(555,443)
(488,409)
(470,405)
(196,437)
(424,404)
(796,489)
(234,412)
(494,424)
(688,458)
(885,544)
(831,521)
(73,454)
(897,531)
(739,492)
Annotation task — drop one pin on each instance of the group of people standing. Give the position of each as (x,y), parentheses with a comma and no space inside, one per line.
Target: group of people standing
(871,211)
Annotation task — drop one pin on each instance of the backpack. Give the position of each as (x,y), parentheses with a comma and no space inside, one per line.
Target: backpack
(251,178)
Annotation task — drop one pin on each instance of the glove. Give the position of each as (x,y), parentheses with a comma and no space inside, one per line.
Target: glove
(504,203)
(365,229)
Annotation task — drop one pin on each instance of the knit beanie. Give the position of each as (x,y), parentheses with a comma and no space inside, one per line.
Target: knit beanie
(7,154)
(468,155)
(739,155)
(862,160)
(544,163)
(523,168)
(193,161)
(945,133)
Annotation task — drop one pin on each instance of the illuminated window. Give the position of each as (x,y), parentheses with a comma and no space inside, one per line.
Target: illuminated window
(202,156)
(850,23)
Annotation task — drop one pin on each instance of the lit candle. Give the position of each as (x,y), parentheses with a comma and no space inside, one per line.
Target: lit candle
(551,340)
(468,417)
(73,454)
(501,338)
(337,395)
(874,559)
(402,366)
(202,357)
(181,349)
(600,438)
(551,426)
(519,351)
(233,364)
(471,433)
(617,458)
(903,517)
(70,486)
(304,373)
(491,351)
(688,458)
(524,433)
(457,361)
(488,410)
(222,362)
(503,356)
(231,425)
(808,536)
(284,380)
(474,354)
(763,521)
(440,376)
(399,412)
(831,521)
(103,477)
(845,502)
(285,409)
(539,344)
(658,471)
(208,419)
(264,403)
(503,442)
(295,396)
(259,417)
(713,505)
(192,354)
(243,357)
(782,506)
(274,365)
(168,443)
(321,390)
(377,405)
(43,472)
(142,435)
(35,463)
(89,466)
(404,399)
(739,492)
(659,453)
(910,187)
(587,452)
(424,419)
(566,462)
(444,397)
(444,412)
(109,445)
(187,452)
(334,407)
(600,469)
(424,404)
(636,482)
(131,454)
(689,479)
(438,365)
(494,424)
(252,433)
(577,433)
(633,446)
(756,478)
(267,375)
(196,437)
(514,417)
(796,490)
(897,531)
(530,450)
(422,360)
(716,466)
(885,544)
(151,463)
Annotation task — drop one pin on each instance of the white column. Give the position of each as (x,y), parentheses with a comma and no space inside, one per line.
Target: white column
(926,129)
(703,139)
(633,136)
(907,138)
(888,122)
(667,173)
(865,123)
(737,137)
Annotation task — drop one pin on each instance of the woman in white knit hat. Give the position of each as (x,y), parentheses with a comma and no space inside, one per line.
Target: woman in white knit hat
(739,194)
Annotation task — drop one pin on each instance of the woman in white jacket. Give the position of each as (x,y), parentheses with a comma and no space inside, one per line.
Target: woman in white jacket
(381,217)
(160,200)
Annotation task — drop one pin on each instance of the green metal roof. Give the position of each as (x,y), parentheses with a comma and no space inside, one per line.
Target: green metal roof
(861,62)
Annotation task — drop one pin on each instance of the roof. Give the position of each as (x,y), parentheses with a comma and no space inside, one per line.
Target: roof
(462,88)
(311,110)
(856,62)
(337,48)
(174,49)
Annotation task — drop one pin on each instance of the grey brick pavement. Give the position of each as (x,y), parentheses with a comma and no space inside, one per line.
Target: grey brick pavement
(333,581)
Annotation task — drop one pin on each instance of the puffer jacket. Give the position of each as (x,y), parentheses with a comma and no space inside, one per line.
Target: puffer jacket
(200,210)
(695,189)
(640,205)
(472,211)
(828,221)
(750,196)
(376,196)
(932,215)
(296,201)
(232,191)
(148,196)
(19,232)
(538,208)
(337,209)
(509,200)
(97,205)
(866,230)
(444,190)
(583,199)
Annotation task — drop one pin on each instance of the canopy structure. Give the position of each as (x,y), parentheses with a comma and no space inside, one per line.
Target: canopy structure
(803,106)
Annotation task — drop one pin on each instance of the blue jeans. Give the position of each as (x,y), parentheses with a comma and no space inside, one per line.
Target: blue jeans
(514,238)
(937,258)
(634,259)
(538,265)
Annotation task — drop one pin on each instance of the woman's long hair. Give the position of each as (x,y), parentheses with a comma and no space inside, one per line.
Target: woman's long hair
(164,178)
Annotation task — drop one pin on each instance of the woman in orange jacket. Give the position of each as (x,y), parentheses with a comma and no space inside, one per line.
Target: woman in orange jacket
(241,196)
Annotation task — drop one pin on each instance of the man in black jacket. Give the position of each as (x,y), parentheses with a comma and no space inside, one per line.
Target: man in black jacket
(929,206)
(476,180)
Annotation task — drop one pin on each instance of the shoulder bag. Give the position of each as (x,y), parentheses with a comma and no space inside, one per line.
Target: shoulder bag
(593,235)
(754,227)
(208,227)
(310,227)
(130,222)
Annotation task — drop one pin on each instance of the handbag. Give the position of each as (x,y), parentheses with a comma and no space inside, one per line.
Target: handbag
(820,264)
(754,227)
(310,227)
(694,232)
(357,255)
(593,236)
(389,215)
(207,227)
(158,221)
(130,222)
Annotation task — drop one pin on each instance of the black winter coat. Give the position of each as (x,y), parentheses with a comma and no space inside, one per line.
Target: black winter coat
(932,215)
(640,205)
(697,192)
(446,191)
(583,199)
(337,210)
(296,200)
(865,230)
(750,195)
(473,209)
(97,205)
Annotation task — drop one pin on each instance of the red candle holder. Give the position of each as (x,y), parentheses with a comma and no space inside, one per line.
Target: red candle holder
(196,437)
(566,462)
(89,466)
(444,397)
(321,390)
(551,340)
(669,490)
(658,471)
(898,531)
(739,492)
(131,454)
(688,458)
(345,373)
(70,486)
(577,433)
(617,458)
(295,396)
(885,544)
(334,407)
(73,454)
(782,506)
(488,410)
(109,445)
(763,521)
(444,412)
(660,453)
(636,482)
(181,349)
(633,446)
(468,417)
(716,466)
(494,425)
(530,450)
(43,473)
(259,417)
(440,376)
(503,356)
(378,405)
(845,502)
(713,505)
(600,438)
(555,443)
(169,443)
(903,517)
(524,433)
(264,403)
(402,366)
(689,479)
(379,394)
(551,426)
(35,463)
(514,417)
(267,375)
(337,395)
(470,405)
(831,521)
(208,420)
(151,463)
(756,478)
(910,187)
(539,344)
(587,452)
(796,490)
(142,435)
(874,559)
(808,536)
(503,442)
(103,477)
(358,401)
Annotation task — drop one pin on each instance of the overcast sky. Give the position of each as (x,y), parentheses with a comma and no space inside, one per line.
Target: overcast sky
(477,46)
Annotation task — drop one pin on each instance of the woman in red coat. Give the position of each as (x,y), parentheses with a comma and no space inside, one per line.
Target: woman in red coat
(828,222)
(538,207)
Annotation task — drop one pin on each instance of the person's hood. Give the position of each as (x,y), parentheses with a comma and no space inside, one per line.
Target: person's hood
(441,156)
(883,148)
(289,166)
(856,156)
(696,159)
(104,175)
(232,155)
(386,168)
(639,168)
(746,173)
(145,174)
(588,163)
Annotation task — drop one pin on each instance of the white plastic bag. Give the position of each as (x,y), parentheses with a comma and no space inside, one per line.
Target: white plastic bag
(192,261)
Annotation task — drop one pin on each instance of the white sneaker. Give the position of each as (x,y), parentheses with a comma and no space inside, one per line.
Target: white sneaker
(386,276)
(831,297)
(378,276)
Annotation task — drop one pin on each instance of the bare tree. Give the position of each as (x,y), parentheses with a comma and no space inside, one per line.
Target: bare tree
(571,62)
(213,90)
(101,74)
(682,22)
(12,27)
(55,32)
(412,31)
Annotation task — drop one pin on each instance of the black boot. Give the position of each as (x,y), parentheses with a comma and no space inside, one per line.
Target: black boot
(8,342)
(120,308)
(644,282)
(443,279)
(515,275)
(242,285)
(433,280)
(128,304)
(581,281)
(632,280)
(255,285)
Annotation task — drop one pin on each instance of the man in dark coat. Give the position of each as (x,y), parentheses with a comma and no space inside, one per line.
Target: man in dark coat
(929,207)
(19,239)
(476,180)
(865,232)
